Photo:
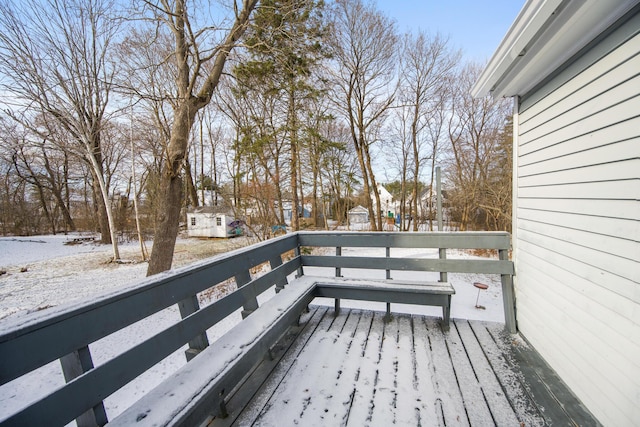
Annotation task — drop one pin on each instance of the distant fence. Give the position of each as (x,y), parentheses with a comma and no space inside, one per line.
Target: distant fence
(65,335)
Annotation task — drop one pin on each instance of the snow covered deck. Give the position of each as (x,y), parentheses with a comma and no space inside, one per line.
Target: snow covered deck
(356,369)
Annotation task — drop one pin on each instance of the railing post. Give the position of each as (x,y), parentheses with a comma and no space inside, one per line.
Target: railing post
(442,254)
(300,272)
(75,364)
(187,307)
(338,269)
(508,296)
(250,305)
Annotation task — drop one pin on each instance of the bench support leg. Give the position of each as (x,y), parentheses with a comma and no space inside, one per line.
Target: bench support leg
(337,306)
(223,410)
(387,317)
(446,314)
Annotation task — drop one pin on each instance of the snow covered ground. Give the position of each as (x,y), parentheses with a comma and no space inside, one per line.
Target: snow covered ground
(44,272)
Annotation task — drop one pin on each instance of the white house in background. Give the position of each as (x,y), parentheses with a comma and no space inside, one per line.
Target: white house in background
(387,202)
(212,221)
(573,68)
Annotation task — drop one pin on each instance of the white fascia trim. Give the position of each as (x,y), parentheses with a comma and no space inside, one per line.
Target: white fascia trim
(545,34)
(533,17)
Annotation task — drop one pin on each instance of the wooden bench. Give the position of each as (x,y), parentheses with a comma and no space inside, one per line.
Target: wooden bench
(389,291)
(193,392)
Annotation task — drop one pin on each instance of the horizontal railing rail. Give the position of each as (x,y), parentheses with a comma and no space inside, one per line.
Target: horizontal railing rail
(452,240)
(66,333)
(410,264)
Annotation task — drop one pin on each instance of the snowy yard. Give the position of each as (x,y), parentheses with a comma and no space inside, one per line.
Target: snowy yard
(56,274)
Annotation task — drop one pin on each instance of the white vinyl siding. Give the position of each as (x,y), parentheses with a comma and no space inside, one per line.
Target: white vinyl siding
(577,225)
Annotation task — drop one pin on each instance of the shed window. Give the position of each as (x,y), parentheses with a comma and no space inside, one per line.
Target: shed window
(218,221)
(193,220)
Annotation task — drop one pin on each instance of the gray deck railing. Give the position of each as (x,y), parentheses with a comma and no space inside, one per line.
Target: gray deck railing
(65,334)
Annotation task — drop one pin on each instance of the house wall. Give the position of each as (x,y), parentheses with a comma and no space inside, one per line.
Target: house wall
(577,216)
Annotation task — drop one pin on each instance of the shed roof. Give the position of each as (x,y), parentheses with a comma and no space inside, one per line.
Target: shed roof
(221,209)
(544,36)
(358,209)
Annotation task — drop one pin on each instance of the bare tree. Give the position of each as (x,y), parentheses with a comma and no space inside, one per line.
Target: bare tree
(475,134)
(339,168)
(363,44)
(40,163)
(437,135)
(400,157)
(55,59)
(427,64)
(497,198)
(200,52)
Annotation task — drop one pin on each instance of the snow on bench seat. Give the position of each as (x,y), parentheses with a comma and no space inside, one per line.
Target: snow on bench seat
(389,291)
(193,392)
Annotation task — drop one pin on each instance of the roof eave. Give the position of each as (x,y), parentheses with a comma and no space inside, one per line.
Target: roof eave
(545,34)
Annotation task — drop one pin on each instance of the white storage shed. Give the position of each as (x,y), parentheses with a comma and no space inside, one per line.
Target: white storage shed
(210,221)
(358,215)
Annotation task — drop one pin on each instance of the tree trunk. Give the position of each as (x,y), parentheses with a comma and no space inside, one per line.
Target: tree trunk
(164,239)
(67,194)
(293,134)
(360,151)
(374,185)
(191,188)
(106,210)
(100,210)
(166,233)
(430,201)
(64,210)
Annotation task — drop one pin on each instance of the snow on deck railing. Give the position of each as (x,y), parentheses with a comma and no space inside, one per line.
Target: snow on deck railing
(36,340)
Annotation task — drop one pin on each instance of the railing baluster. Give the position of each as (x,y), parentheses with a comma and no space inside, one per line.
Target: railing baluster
(275,262)
(75,364)
(300,272)
(442,254)
(250,305)
(187,307)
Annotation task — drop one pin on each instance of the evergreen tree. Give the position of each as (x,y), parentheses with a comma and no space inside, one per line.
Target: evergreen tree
(285,48)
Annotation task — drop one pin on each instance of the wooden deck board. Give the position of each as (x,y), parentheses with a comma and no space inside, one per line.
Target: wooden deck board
(355,369)
(498,404)
(295,396)
(473,396)
(360,410)
(349,371)
(448,394)
(430,408)
(246,404)
(507,376)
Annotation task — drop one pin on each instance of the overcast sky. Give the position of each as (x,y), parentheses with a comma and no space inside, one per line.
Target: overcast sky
(475,26)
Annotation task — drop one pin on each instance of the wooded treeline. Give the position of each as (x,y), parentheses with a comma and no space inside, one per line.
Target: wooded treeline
(256,105)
